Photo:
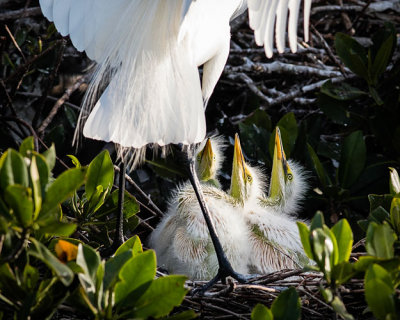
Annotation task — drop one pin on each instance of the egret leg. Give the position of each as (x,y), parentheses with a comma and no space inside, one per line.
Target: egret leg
(225,268)
(119,227)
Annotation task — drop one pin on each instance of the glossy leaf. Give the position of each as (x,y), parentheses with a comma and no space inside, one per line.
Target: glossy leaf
(19,199)
(89,260)
(380,240)
(13,170)
(50,156)
(137,271)
(341,91)
(37,189)
(304,233)
(62,189)
(100,173)
(318,167)
(133,244)
(43,169)
(379,292)
(113,267)
(27,146)
(382,59)
(352,54)
(57,228)
(344,238)
(352,159)
(323,251)
(317,221)
(376,200)
(161,297)
(261,312)
(287,305)
(394,181)
(340,308)
(395,214)
(40,252)
(342,272)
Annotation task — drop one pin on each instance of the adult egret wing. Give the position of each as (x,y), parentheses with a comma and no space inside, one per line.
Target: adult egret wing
(265,14)
(154,94)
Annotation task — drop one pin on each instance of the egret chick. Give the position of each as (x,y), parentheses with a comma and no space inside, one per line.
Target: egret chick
(182,241)
(274,241)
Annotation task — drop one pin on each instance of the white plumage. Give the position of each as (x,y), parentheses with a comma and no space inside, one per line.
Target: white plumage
(182,241)
(149,51)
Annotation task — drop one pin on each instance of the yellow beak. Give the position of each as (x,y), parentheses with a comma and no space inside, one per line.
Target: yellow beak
(205,162)
(238,177)
(280,168)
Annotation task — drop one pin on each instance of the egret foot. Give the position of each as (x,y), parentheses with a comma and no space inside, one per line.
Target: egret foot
(119,227)
(225,268)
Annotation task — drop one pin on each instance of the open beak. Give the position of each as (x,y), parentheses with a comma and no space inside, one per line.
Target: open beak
(206,161)
(238,170)
(280,167)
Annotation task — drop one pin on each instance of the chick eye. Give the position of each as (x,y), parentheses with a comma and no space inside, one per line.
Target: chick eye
(249,178)
(290,176)
(198,158)
(214,158)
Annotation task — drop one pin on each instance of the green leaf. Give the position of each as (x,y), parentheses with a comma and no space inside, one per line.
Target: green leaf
(74,160)
(62,189)
(113,267)
(27,146)
(379,215)
(50,156)
(43,169)
(36,187)
(342,272)
(380,240)
(318,167)
(395,214)
(379,292)
(352,54)
(382,59)
(305,238)
(344,238)
(340,308)
(161,297)
(40,252)
(394,181)
(19,199)
(57,228)
(137,271)
(100,173)
(341,91)
(133,244)
(376,200)
(352,159)
(13,170)
(260,118)
(287,306)
(261,312)
(89,260)
(323,251)
(317,221)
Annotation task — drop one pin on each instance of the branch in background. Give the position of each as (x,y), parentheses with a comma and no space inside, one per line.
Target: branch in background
(19,14)
(75,86)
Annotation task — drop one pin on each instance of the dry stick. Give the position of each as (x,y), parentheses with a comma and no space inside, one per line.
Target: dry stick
(51,98)
(142,194)
(19,14)
(346,20)
(80,80)
(15,43)
(23,68)
(49,84)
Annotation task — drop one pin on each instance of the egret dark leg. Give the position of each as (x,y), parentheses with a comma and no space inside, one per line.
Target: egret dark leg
(119,228)
(225,268)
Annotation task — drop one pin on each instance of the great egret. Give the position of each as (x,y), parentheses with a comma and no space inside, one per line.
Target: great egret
(182,241)
(274,240)
(149,52)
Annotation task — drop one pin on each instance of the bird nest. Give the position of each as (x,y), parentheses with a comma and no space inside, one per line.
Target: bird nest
(235,300)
